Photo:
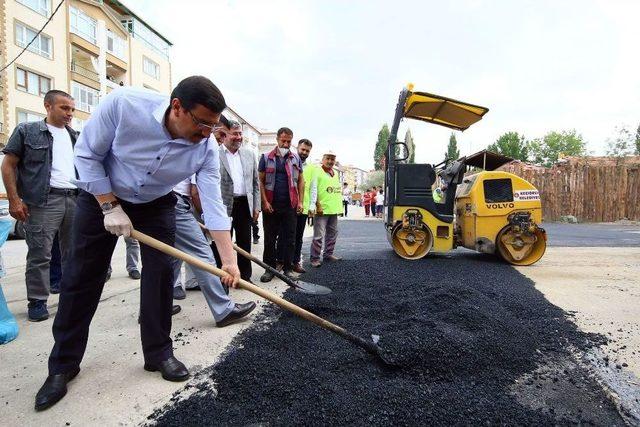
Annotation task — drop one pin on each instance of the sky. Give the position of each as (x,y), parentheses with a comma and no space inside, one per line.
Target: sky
(332,70)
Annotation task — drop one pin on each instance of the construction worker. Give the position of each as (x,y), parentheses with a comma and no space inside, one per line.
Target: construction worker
(308,171)
(326,197)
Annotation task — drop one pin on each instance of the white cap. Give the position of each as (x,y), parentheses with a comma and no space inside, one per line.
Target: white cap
(329,153)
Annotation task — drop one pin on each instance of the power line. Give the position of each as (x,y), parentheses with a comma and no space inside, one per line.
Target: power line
(33,39)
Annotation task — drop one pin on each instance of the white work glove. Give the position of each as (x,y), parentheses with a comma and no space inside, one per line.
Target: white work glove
(117,222)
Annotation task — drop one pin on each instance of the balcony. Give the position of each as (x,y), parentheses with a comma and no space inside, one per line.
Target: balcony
(85,72)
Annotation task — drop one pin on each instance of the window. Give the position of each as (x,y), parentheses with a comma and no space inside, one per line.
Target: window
(115,44)
(151,68)
(82,24)
(41,45)
(28,116)
(147,36)
(40,6)
(32,83)
(77,124)
(86,97)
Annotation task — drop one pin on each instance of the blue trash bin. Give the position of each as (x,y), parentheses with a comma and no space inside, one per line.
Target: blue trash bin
(8,325)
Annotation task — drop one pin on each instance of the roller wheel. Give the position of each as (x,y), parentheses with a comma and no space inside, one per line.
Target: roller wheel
(522,248)
(411,244)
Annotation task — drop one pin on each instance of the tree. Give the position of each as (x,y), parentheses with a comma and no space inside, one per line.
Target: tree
(623,144)
(381,147)
(373,179)
(638,141)
(554,145)
(452,149)
(511,144)
(408,139)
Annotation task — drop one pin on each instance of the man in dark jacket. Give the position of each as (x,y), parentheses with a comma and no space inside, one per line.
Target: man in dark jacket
(37,172)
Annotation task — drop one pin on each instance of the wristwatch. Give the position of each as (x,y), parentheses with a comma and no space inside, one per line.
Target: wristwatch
(107,206)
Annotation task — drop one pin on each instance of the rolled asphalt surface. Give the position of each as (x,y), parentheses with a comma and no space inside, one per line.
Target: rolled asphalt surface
(276,369)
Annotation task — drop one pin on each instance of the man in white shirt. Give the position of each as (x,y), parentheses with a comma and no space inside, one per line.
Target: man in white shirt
(240,189)
(37,171)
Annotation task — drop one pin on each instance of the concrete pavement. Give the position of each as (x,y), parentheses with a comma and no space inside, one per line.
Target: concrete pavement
(112,388)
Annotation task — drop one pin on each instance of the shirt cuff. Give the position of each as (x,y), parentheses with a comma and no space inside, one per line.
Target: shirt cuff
(95,187)
(217,222)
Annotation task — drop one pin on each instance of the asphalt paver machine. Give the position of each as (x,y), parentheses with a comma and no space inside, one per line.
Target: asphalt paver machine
(489,211)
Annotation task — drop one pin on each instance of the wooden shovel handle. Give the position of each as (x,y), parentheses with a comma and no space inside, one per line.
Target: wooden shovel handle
(243,284)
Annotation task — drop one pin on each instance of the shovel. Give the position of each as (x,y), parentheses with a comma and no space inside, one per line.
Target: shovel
(369,346)
(298,285)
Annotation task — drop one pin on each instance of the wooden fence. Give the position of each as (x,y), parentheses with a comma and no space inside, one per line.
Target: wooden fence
(593,189)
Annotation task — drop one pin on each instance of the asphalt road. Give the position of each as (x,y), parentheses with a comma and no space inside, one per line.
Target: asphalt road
(471,341)
(593,235)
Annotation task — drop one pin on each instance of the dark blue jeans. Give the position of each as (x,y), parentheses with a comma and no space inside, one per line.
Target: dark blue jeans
(86,270)
(55,265)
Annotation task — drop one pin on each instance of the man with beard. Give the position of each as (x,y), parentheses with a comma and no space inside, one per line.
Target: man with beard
(282,190)
(38,174)
(134,149)
(240,190)
(304,149)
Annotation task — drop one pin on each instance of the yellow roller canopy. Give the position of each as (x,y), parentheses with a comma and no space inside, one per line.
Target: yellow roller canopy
(442,111)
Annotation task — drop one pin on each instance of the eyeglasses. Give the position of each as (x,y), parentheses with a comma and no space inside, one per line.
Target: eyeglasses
(204,126)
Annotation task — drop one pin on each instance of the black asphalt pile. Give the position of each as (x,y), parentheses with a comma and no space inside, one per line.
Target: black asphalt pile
(469,337)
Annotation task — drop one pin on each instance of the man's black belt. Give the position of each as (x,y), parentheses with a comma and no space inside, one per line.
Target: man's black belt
(187,198)
(239,197)
(64,191)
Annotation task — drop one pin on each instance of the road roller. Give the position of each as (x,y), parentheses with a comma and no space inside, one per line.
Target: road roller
(489,211)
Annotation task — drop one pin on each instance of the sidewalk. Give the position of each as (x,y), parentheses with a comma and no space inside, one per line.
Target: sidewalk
(112,387)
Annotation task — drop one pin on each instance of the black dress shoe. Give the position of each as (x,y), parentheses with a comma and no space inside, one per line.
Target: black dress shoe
(53,389)
(135,274)
(172,369)
(238,312)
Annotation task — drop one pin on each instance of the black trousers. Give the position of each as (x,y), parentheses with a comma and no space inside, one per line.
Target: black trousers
(241,225)
(280,227)
(300,226)
(86,270)
(346,207)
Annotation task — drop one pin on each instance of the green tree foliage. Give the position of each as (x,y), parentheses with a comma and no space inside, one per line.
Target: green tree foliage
(408,139)
(374,179)
(511,144)
(381,146)
(623,144)
(452,149)
(552,146)
(638,141)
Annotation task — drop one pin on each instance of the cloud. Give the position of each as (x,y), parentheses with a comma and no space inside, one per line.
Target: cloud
(332,70)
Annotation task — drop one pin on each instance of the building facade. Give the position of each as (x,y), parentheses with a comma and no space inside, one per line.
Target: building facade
(89,48)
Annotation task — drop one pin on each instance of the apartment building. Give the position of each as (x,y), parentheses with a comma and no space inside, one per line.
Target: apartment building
(89,48)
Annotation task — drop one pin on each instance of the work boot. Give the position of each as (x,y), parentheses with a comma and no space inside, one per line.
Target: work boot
(298,268)
(37,310)
(266,277)
(291,274)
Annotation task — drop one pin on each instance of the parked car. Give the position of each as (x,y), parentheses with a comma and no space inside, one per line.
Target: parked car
(17,229)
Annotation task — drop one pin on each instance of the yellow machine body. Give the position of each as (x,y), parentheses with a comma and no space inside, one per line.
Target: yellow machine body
(490,212)
(483,220)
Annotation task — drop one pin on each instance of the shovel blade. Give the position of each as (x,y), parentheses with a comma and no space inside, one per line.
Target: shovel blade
(311,288)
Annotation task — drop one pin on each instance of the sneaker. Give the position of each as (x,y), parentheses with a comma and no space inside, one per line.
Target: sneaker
(332,258)
(298,268)
(266,277)
(178,293)
(37,310)
(316,263)
(54,288)
(134,274)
